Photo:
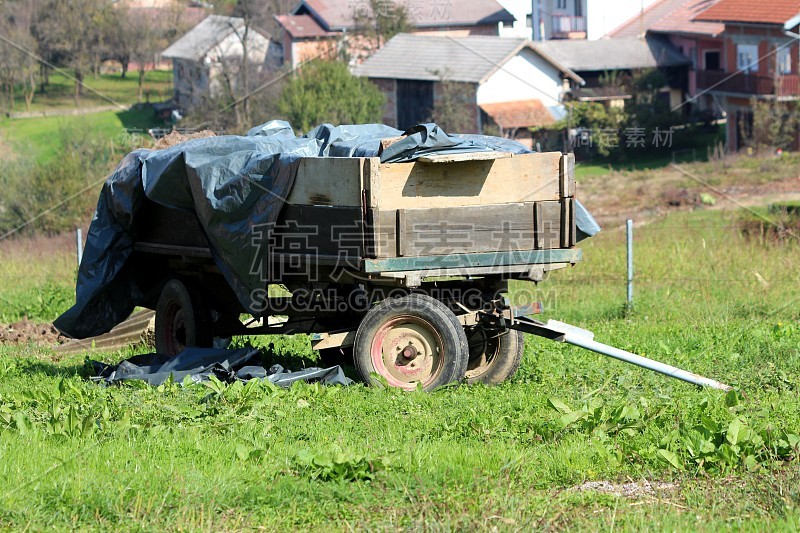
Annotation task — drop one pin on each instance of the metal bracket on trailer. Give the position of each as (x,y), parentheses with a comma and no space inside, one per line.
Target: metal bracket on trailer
(561,332)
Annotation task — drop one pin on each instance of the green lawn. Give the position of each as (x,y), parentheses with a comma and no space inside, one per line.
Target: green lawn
(41,137)
(59,94)
(76,455)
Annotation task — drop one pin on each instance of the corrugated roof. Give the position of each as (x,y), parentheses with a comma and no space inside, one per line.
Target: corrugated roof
(301,26)
(427,57)
(519,114)
(670,16)
(614,54)
(338,15)
(199,40)
(772,12)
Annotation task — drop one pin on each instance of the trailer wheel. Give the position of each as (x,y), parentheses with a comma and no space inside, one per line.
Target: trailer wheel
(410,341)
(493,357)
(182,319)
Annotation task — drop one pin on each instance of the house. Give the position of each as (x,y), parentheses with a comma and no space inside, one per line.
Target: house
(738,50)
(208,60)
(522,26)
(316,26)
(506,82)
(601,62)
(581,19)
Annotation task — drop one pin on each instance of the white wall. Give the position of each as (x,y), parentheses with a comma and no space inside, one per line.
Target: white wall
(525,77)
(604,16)
(521,9)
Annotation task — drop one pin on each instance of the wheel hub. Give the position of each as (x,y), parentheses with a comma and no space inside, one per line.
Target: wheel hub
(406,351)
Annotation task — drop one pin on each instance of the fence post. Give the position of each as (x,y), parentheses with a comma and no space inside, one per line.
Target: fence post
(79,244)
(629,225)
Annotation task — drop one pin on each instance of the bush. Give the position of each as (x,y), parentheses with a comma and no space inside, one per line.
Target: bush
(325,91)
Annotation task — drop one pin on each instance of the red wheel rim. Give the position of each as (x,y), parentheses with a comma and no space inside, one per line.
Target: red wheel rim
(407,350)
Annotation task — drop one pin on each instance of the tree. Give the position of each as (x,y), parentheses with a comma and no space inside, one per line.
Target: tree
(377,21)
(326,91)
(18,68)
(70,34)
(775,124)
(453,108)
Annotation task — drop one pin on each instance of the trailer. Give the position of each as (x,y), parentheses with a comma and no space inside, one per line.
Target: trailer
(393,251)
(391,262)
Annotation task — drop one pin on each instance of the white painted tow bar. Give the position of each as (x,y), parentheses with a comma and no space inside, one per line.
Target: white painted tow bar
(561,332)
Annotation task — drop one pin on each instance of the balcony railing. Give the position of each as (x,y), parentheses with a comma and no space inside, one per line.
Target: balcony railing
(564,25)
(748,83)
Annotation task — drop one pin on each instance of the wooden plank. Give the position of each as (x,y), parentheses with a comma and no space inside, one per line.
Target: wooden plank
(517,179)
(442,231)
(319,230)
(400,232)
(370,182)
(567,176)
(547,225)
(566,218)
(331,181)
(479,261)
(468,156)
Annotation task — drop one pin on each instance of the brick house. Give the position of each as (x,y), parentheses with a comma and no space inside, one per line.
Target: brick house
(315,27)
(739,50)
(508,83)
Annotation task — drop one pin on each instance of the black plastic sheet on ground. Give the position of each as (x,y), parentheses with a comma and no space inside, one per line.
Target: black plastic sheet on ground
(199,364)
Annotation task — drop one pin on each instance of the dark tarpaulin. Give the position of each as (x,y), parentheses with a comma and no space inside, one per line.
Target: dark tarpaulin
(199,364)
(233,184)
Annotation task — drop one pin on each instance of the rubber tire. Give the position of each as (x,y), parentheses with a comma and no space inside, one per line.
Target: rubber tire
(454,339)
(196,317)
(505,363)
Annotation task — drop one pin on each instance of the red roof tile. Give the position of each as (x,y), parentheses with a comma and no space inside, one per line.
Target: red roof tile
(773,12)
(301,26)
(519,114)
(670,16)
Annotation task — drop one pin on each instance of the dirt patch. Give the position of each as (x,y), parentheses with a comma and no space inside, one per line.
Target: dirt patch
(631,490)
(175,137)
(26,332)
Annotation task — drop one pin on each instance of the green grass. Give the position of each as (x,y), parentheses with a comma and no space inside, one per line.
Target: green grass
(40,138)
(59,94)
(655,158)
(76,455)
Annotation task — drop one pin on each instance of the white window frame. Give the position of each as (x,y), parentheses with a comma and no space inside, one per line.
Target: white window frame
(784,61)
(747,57)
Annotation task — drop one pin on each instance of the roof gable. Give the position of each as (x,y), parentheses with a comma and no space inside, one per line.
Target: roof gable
(431,58)
(748,11)
(198,41)
(340,15)
(670,16)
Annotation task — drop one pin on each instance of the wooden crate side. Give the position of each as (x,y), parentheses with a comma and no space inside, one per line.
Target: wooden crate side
(517,179)
(330,181)
(443,231)
(320,230)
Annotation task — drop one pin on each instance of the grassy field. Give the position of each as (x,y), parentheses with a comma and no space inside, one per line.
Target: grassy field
(59,94)
(514,457)
(40,138)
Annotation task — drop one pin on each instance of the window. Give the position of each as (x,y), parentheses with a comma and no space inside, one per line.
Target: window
(529,21)
(508,24)
(784,61)
(712,60)
(561,4)
(747,57)
(578,8)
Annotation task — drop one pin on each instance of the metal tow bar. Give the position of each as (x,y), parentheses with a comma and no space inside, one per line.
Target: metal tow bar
(561,332)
